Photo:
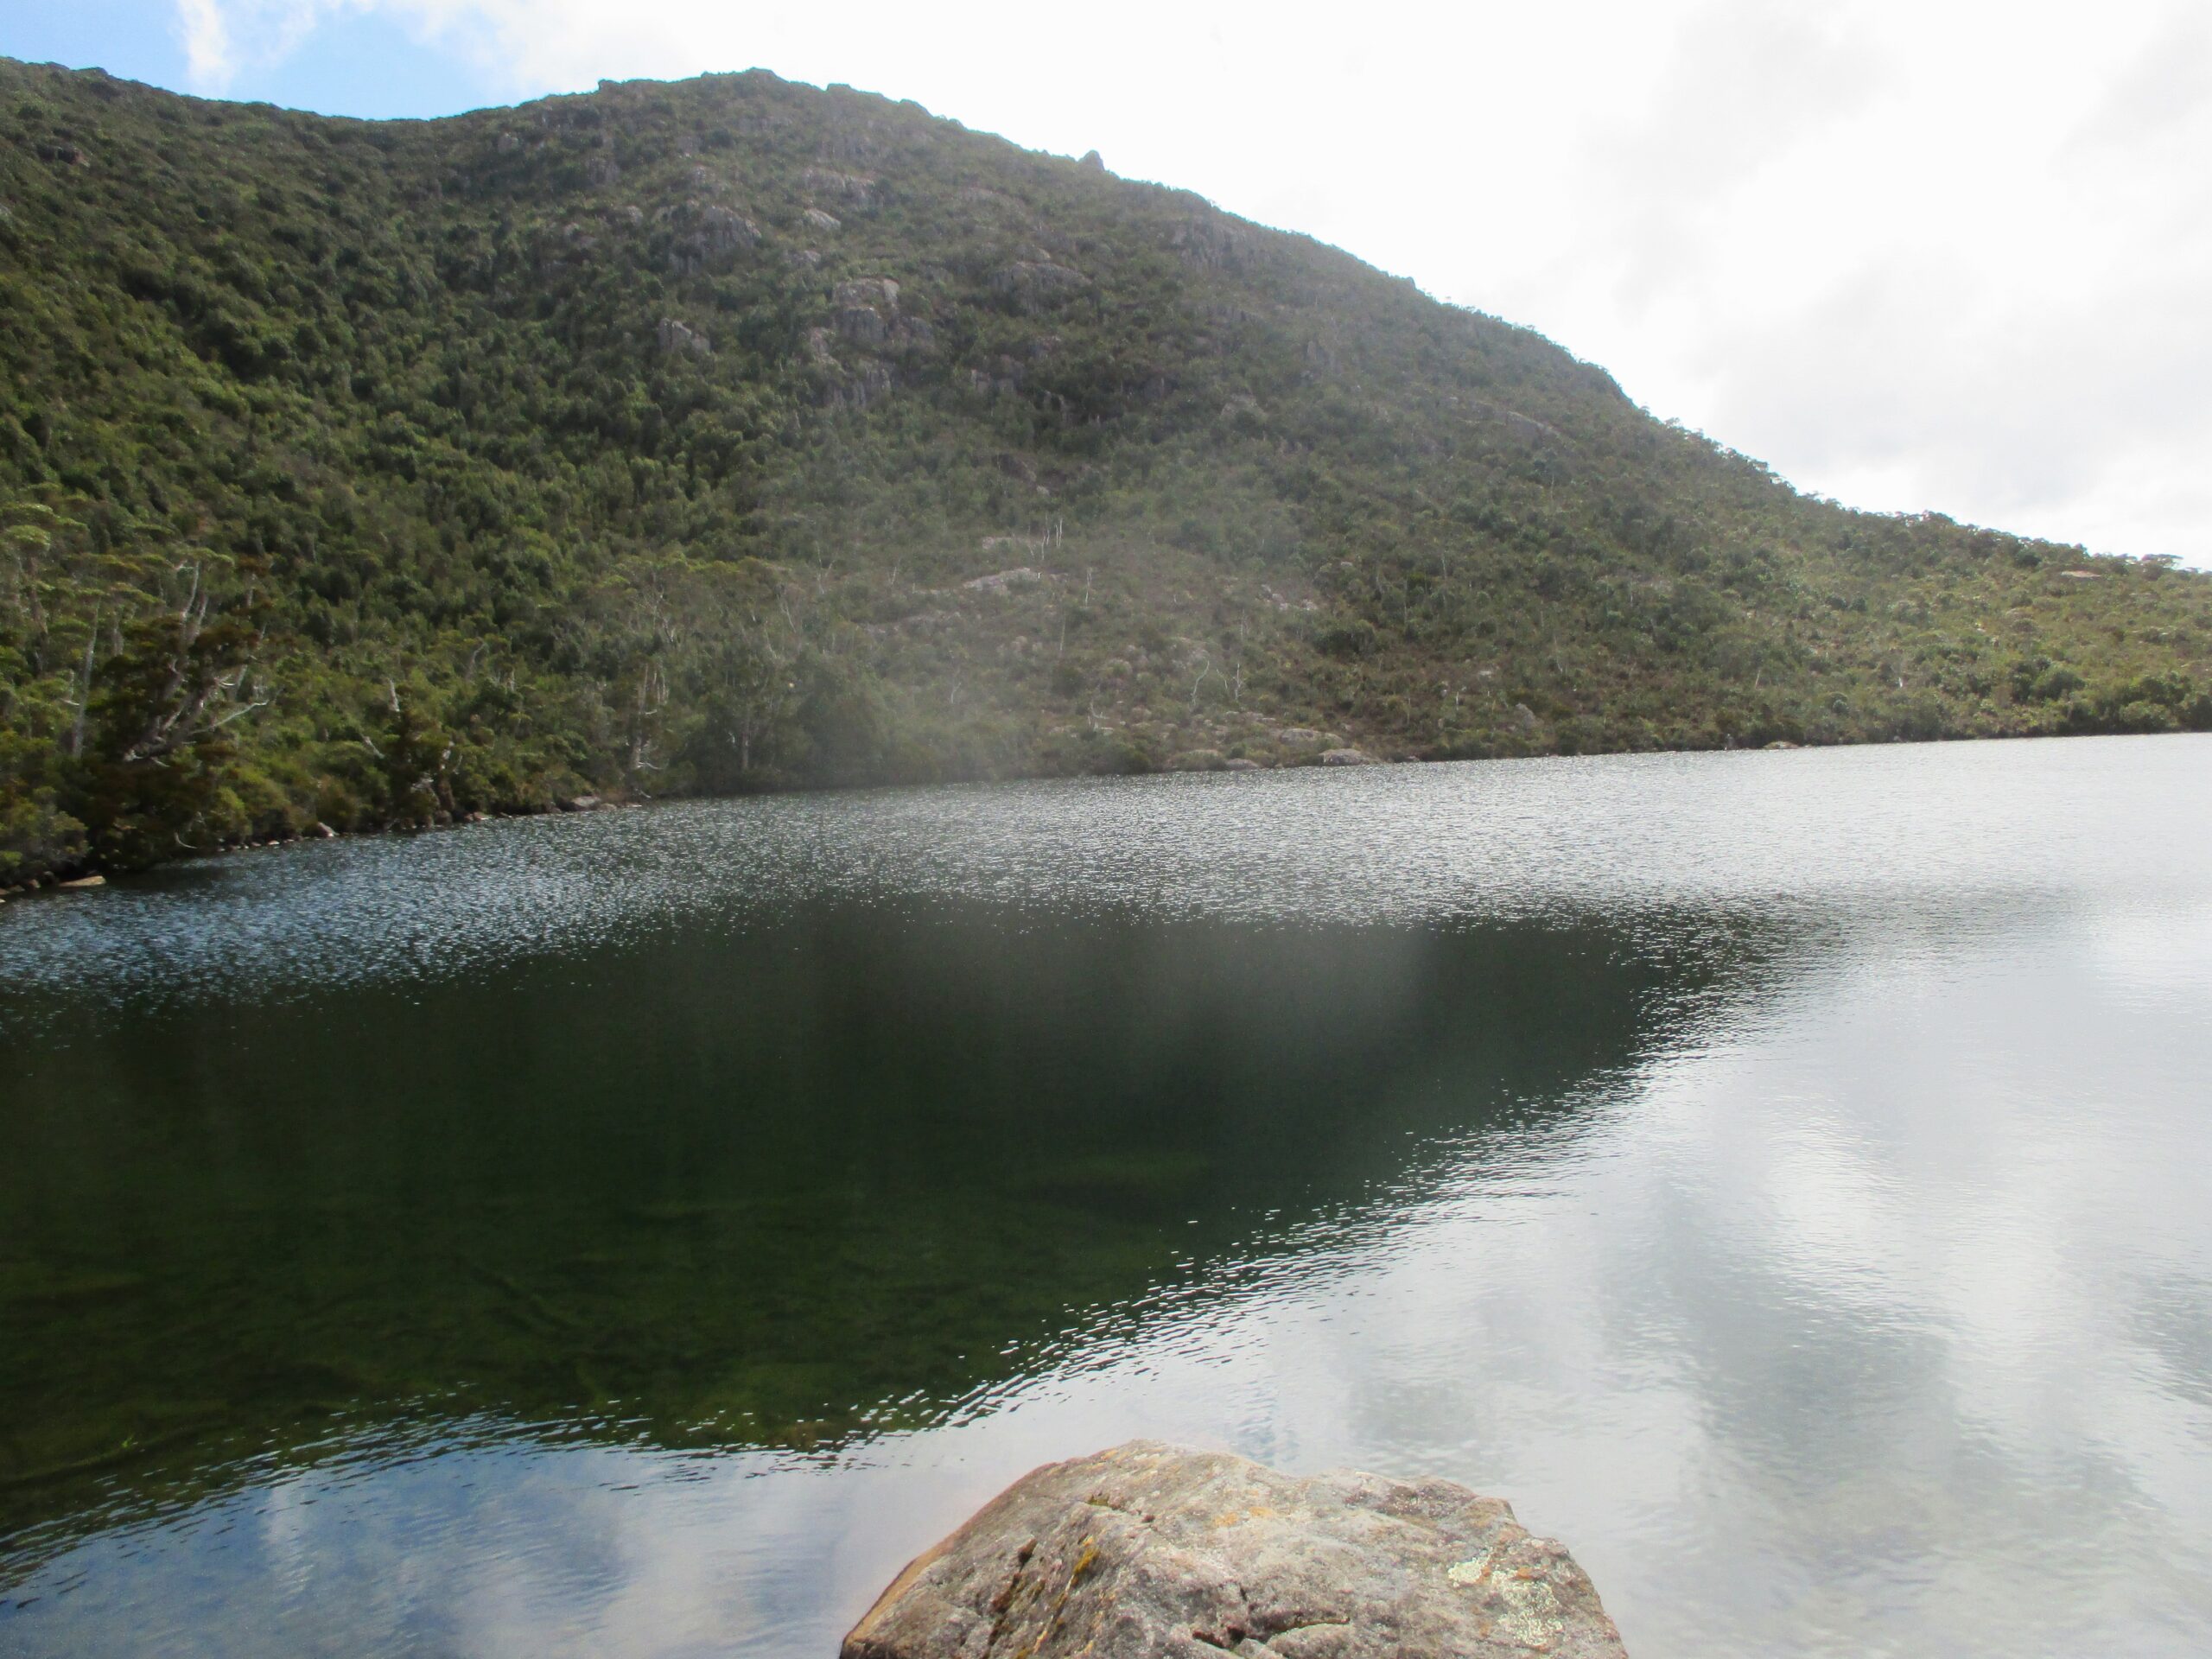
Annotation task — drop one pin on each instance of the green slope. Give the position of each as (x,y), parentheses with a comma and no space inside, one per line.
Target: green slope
(668,439)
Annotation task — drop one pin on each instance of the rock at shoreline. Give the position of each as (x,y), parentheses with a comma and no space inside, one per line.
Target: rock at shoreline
(1152,1552)
(1349,758)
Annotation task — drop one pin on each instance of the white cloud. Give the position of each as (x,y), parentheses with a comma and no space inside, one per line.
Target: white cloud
(225,39)
(204,30)
(1915,253)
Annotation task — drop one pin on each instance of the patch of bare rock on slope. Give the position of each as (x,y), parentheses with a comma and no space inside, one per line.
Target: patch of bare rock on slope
(1150,1551)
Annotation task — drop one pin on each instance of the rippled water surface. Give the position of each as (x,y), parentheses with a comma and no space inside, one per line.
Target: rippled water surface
(1784,1176)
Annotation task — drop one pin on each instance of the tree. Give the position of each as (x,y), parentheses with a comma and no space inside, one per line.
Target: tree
(162,711)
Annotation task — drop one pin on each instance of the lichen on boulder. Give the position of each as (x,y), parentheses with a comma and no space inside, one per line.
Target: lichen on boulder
(1150,1551)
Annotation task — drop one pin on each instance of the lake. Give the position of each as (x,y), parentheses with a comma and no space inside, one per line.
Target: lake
(1784,1176)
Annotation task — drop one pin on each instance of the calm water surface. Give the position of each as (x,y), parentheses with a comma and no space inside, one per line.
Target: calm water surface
(1784,1176)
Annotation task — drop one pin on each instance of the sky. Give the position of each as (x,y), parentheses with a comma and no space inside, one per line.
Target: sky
(1917,255)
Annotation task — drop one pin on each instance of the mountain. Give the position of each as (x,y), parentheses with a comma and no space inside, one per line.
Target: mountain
(731,435)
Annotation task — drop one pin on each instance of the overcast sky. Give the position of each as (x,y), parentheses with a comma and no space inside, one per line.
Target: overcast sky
(1913,253)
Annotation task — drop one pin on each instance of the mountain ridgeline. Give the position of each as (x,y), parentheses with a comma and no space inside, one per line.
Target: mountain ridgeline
(734,435)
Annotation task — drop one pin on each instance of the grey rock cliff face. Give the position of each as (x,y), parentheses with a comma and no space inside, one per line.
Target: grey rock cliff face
(1152,1552)
(676,338)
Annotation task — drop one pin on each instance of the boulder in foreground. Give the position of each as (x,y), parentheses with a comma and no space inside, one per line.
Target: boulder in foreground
(1151,1550)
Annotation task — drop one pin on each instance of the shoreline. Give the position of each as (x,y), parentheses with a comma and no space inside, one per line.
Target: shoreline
(92,873)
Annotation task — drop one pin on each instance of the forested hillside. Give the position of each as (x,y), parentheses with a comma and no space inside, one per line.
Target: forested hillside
(734,435)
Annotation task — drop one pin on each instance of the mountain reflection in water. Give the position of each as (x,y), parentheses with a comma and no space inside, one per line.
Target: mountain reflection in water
(639,1233)
(783,1186)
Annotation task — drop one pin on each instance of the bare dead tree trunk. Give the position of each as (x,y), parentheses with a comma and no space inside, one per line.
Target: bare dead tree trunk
(83,688)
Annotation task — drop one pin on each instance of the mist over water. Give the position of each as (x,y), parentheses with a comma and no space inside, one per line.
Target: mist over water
(1781,1175)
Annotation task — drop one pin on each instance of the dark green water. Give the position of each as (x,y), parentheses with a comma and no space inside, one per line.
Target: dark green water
(1782,1175)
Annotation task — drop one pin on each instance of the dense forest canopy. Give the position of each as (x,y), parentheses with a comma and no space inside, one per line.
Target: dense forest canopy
(732,434)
